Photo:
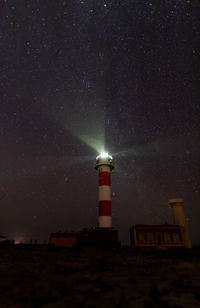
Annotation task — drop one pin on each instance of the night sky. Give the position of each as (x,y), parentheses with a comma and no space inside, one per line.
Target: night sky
(81,77)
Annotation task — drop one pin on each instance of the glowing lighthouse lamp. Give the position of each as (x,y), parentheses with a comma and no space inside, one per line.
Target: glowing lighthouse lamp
(104,165)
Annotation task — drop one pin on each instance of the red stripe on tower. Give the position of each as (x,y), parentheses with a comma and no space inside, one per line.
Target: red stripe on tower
(105,208)
(104,178)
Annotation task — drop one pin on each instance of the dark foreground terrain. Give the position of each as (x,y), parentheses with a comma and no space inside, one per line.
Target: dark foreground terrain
(96,277)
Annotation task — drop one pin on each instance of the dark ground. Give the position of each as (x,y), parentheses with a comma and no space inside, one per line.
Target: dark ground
(96,277)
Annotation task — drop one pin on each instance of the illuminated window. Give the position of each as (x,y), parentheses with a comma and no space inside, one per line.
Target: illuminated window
(167,238)
(176,238)
(150,238)
(141,238)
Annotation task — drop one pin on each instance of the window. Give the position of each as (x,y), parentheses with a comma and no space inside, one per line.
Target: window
(158,238)
(141,238)
(150,238)
(176,238)
(167,238)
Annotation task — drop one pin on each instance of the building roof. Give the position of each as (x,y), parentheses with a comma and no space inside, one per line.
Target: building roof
(164,226)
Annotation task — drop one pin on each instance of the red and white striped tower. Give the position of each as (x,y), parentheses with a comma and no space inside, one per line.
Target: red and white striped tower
(104,166)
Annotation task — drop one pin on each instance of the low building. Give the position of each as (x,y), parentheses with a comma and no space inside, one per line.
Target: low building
(157,236)
(59,239)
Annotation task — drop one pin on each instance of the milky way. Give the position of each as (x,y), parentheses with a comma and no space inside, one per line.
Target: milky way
(79,77)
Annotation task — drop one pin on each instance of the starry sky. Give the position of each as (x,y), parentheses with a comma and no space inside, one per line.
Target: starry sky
(82,76)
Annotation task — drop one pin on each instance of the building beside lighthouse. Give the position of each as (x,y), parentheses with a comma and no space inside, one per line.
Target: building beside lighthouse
(167,236)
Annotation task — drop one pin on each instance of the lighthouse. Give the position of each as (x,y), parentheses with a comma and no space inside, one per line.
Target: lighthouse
(104,166)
